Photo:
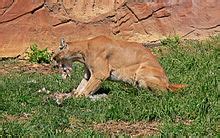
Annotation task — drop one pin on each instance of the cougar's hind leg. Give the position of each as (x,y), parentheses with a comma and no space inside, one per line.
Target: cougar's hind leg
(152,78)
(152,83)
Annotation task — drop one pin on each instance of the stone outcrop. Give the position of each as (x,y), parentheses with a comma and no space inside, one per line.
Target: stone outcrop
(24,22)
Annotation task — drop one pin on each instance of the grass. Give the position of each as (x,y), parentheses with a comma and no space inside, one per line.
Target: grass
(193,111)
(36,55)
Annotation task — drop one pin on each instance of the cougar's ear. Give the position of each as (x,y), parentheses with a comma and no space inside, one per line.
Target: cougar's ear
(63,44)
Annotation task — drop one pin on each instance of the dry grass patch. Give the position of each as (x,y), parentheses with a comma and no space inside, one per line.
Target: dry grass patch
(26,67)
(141,128)
(17,118)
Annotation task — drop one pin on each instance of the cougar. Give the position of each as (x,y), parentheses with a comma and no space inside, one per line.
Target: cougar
(106,58)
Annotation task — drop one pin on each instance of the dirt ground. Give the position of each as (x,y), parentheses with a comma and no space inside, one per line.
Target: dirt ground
(23,66)
(141,128)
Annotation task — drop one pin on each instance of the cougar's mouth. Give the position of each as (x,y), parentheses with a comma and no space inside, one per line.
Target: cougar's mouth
(65,71)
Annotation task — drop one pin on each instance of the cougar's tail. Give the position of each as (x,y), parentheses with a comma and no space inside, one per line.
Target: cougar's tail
(175,87)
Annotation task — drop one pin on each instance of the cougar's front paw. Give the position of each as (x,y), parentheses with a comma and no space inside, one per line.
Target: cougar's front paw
(78,94)
(60,97)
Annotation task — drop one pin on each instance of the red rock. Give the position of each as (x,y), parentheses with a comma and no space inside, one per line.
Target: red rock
(43,22)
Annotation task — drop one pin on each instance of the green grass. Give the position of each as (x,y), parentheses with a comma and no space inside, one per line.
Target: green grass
(195,63)
(36,55)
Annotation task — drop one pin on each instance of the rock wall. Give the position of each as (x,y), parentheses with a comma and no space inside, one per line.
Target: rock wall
(23,22)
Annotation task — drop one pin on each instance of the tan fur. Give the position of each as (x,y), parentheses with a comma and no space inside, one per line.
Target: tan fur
(105,58)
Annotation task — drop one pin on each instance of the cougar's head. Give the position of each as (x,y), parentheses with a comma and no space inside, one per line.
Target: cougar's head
(59,53)
(59,61)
